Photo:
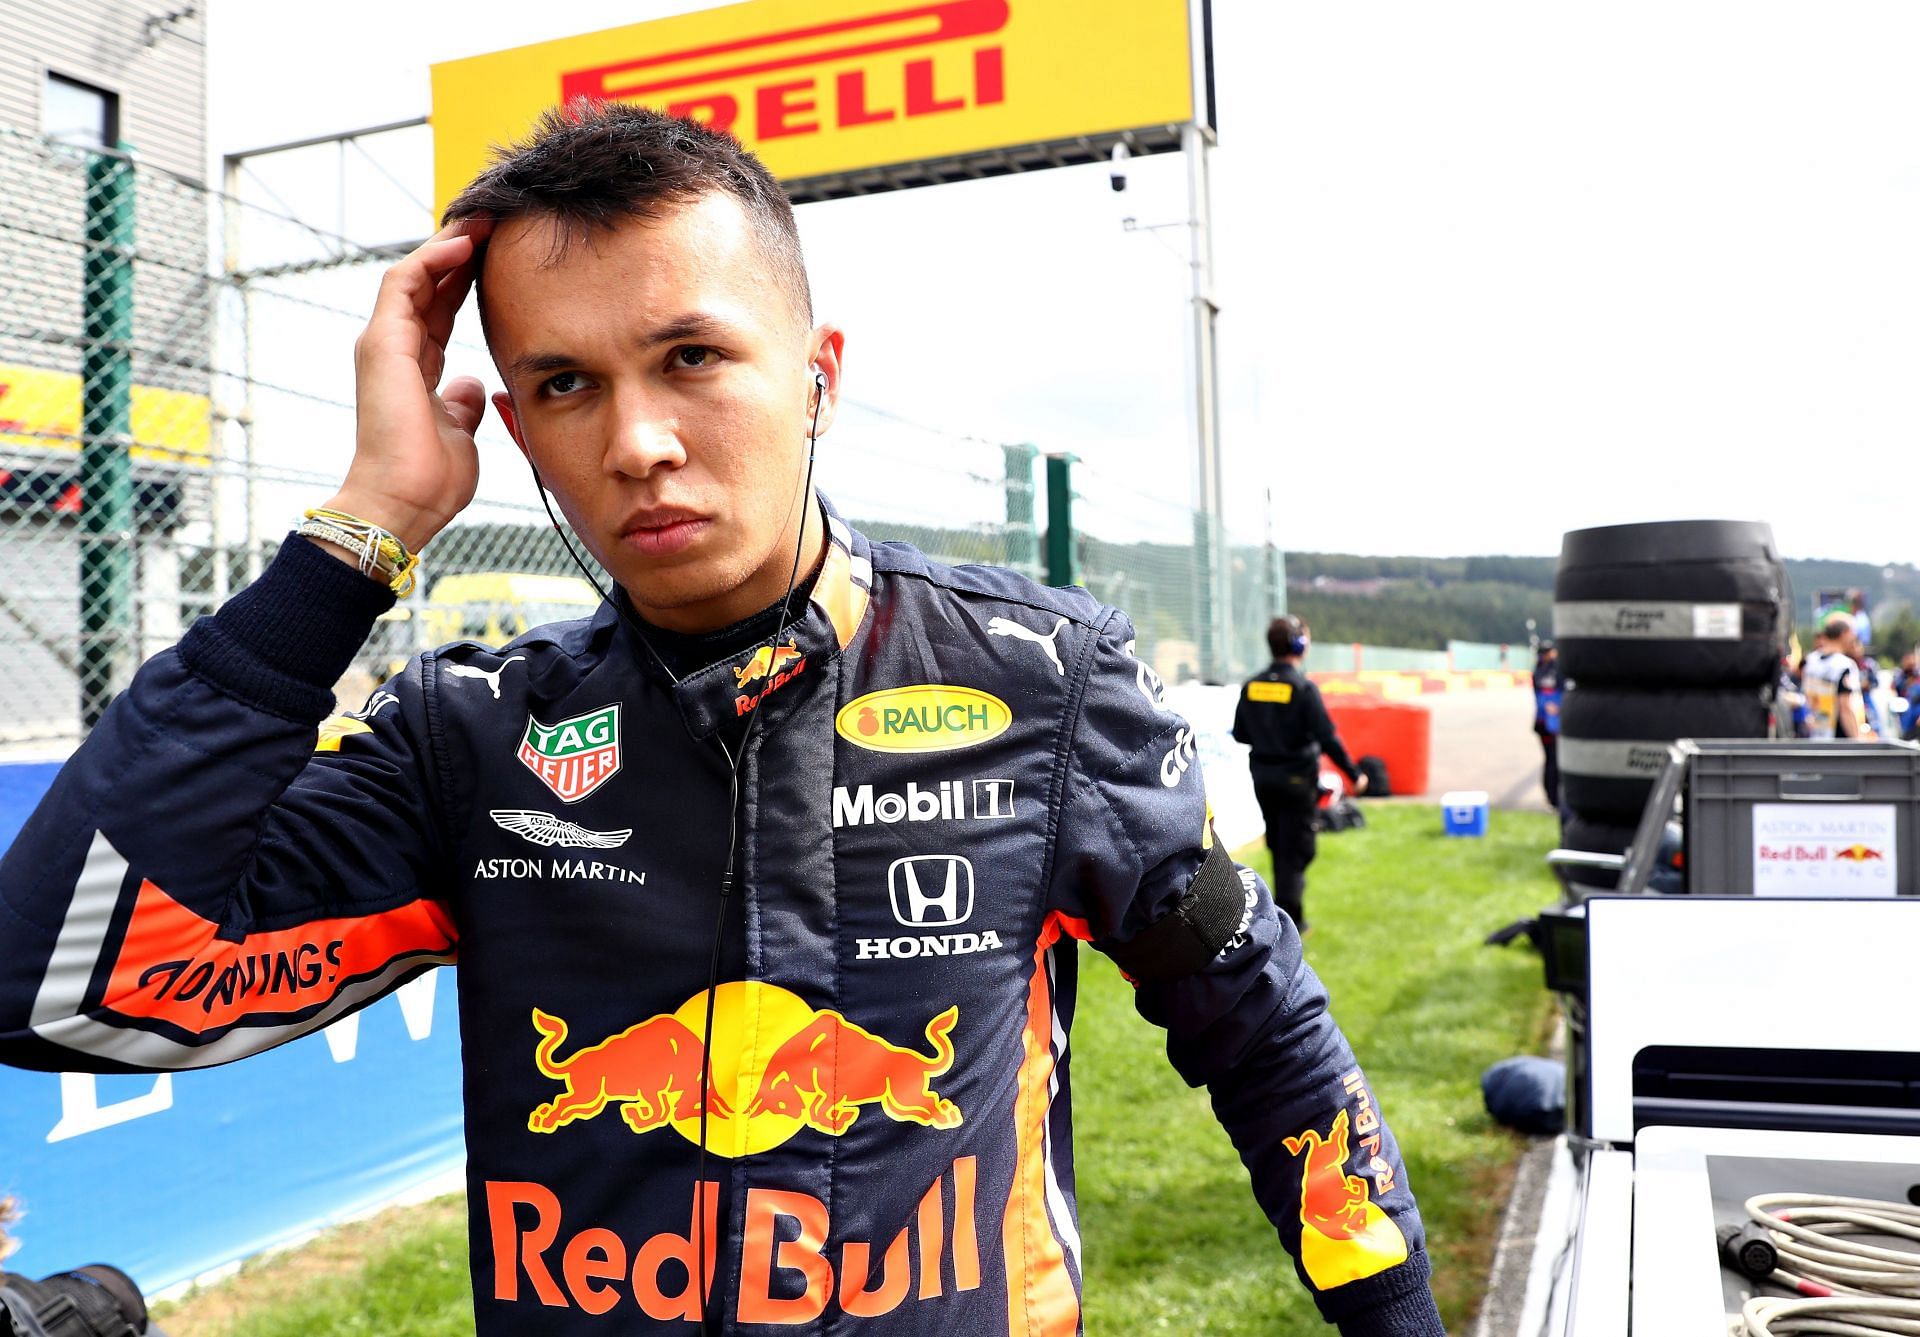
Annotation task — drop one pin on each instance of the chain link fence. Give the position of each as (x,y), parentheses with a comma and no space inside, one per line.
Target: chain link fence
(106,338)
(176,387)
(1147,554)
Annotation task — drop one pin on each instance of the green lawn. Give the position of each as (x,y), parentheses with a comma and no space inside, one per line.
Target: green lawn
(1173,1241)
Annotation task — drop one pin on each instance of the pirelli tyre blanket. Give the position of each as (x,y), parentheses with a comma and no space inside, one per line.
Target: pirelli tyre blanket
(955,775)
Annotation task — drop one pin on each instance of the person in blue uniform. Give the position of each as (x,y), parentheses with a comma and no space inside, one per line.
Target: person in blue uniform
(1547,689)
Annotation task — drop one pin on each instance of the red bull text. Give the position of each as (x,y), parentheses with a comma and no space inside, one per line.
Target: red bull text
(595,1270)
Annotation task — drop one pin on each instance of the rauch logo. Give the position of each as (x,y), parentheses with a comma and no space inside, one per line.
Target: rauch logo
(576,756)
(926,717)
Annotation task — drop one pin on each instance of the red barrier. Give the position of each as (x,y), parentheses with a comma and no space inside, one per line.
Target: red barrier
(1400,733)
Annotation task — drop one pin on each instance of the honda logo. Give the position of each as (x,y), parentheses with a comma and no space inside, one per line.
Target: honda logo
(931,890)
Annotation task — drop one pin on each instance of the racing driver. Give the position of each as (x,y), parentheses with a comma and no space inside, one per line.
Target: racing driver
(764,882)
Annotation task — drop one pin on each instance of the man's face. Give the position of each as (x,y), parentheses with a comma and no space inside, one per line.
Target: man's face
(662,383)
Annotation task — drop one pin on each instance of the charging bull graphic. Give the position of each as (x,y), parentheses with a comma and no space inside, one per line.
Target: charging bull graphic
(652,1070)
(1344,1235)
(776,1066)
(832,1067)
(766,662)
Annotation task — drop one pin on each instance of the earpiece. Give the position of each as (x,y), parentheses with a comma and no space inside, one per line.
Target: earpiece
(819,399)
(1298,637)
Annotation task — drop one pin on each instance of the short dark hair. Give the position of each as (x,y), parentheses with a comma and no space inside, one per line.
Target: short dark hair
(591,165)
(1282,632)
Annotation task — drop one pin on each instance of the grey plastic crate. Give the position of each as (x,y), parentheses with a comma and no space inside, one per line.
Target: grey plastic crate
(1719,783)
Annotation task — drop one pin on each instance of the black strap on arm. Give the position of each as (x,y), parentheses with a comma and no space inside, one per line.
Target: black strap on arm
(1182,942)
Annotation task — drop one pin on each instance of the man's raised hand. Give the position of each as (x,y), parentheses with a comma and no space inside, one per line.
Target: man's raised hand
(414,463)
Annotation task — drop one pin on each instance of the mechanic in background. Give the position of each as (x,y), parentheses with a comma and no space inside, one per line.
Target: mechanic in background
(1283,720)
(1831,680)
(1546,716)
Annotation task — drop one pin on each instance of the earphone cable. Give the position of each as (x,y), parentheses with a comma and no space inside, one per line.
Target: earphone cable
(735,762)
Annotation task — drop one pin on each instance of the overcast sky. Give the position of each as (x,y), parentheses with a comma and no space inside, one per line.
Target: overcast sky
(1487,271)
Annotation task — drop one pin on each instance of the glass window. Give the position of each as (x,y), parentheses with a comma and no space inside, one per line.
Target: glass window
(77,113)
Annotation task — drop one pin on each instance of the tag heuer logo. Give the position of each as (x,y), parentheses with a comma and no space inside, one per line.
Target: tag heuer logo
(574,757)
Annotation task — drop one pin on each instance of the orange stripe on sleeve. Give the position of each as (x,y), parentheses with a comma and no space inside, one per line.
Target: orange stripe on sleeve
(1041,1300)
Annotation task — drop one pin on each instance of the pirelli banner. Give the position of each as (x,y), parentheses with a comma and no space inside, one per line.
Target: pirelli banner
(844,97)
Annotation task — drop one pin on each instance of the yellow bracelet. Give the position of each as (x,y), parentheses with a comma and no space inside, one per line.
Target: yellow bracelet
(379,552)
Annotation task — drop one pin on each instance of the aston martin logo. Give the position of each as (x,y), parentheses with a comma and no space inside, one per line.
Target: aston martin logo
(543,828)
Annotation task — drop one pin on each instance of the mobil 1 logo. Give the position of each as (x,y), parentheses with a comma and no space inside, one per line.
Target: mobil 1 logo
(949,800)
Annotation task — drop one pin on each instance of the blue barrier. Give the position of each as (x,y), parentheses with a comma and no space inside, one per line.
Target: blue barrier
(171,1176)
(21,786)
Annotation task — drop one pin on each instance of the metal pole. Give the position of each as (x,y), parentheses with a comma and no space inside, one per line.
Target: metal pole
(1209,493)
(220,567)
(106,401)
(1062,569)
(1023,539)
(1276,573)
(238,276)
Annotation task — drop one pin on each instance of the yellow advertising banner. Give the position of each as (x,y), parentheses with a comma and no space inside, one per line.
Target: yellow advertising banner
(42,409)
(823,87)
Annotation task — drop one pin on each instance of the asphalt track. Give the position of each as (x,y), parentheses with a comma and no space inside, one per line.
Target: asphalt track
(1485,740)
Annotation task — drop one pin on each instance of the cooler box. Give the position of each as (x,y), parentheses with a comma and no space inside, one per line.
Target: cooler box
(1465,812)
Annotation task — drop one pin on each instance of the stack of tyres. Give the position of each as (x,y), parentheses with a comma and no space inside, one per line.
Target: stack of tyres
(1614,738)
(1667,630)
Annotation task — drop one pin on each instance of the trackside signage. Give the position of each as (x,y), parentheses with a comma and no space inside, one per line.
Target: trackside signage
(821,87)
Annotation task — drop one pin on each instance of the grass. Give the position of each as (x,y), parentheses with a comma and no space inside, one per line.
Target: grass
(1174,1242)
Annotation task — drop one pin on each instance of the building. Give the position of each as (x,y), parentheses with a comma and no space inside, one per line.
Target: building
(77,76)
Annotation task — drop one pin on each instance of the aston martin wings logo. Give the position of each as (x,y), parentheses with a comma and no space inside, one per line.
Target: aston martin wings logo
(543,828)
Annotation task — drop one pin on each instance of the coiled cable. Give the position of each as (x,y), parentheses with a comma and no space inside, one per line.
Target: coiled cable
(1844,1285)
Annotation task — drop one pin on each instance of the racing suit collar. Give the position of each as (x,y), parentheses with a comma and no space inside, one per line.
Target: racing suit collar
(774,678)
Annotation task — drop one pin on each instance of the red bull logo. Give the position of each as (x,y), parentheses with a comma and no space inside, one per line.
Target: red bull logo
(778,665)
(1859,853)
(651,1070)
(825,1073)
(765,662)
(1344,1235)
(788,1275)
(777,1066)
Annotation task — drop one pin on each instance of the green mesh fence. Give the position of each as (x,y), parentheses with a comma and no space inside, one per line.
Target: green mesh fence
(1145,553)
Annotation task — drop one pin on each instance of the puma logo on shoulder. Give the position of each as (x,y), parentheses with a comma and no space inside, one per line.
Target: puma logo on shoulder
(1000,626)
(492,679)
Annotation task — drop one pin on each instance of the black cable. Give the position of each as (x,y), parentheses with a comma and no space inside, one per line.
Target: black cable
(784,621)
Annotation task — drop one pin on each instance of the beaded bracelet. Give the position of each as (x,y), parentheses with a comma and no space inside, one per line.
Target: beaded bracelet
(379,553)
